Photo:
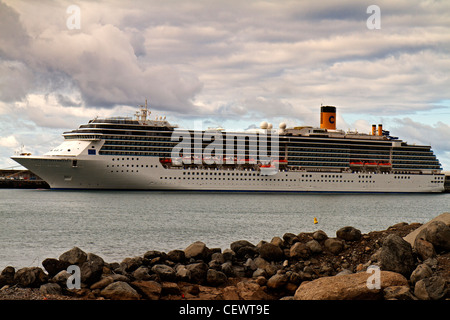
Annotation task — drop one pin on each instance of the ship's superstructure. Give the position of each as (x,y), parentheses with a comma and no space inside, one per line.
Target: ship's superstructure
(145,154)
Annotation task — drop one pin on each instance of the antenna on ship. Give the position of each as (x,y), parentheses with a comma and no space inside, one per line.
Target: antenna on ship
(142,115)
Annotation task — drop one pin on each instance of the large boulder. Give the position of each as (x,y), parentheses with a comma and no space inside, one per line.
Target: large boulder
(277,281)
(120,291)
(271,252)
(314,246)
(348,287)
(320,235)
(236,245)
(54,266)
(438,234)
(141,273)
(215,278)
(176,255)
(396,255)
(349,234)
(164,272)
(299,251)
(444,217)
(196,250)
(50,288)
(91,270)
(74,256)
(182,273)
(7,276)
(424,249)
(334,245)
(432,288)
(198,272)
(32,277)
(290,238)
(421,272)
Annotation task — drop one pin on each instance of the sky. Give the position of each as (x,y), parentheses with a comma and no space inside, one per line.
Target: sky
(227,63)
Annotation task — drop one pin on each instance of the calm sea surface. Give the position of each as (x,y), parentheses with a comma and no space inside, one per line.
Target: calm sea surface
(39,224)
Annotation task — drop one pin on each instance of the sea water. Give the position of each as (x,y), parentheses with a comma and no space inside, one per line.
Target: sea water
(39,224)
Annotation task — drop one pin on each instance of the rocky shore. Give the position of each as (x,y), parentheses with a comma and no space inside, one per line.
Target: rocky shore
(404,262)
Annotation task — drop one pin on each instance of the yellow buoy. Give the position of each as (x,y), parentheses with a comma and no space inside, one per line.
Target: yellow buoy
(315,220)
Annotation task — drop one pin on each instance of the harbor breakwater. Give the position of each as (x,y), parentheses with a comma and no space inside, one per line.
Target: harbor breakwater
(403,262)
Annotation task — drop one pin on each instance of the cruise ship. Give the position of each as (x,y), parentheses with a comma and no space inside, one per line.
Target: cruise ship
(140,153)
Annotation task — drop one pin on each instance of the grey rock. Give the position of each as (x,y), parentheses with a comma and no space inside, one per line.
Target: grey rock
(259,272)
(152,254)
(32,277)
(120,291)
(236,245)
(271,252)
(277,281)
(228,255)
(61,277)
(196,250)
(438,234)
(74,256)
(54,266)
(102,283)
(50,288)
(320,235)
(421,272)
(333,245)
(215,278)
(182,273)
(314,246)
(176,256)
(299,251)
(277,241)
(92,269)
(239,271)
(218,256)
(141,273)
(396,255)
(7,276)
(432,288)
(424,248)
(227,268)
(290,238)
(198,272)
(131,264)
(250,264)
(349,234)
(398,293)
(164,272)
(247,251)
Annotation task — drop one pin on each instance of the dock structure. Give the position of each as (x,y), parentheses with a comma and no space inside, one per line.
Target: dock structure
(23,179)
(447,181)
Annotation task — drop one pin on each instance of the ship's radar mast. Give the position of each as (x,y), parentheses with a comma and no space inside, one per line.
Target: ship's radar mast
(143,112)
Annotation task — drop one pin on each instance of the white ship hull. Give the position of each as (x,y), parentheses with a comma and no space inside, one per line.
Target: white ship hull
(147,173)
